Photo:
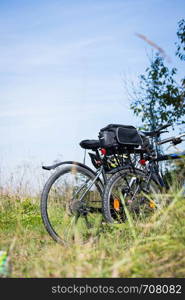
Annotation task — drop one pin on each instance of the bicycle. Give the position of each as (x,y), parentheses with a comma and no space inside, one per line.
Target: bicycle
(71,201)
(75,192)
(131,186)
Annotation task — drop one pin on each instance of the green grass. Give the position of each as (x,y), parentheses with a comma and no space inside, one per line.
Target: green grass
(147,248)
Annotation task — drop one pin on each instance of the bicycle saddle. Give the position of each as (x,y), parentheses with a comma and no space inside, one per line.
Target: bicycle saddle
(90,144)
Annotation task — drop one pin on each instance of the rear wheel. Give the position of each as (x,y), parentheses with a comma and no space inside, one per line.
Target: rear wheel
(69,210)
(130,191)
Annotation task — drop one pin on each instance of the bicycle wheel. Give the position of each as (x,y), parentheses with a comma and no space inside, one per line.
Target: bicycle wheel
(67,214)
(130,190)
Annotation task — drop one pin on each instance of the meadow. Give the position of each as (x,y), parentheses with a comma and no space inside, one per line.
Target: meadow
(154,247)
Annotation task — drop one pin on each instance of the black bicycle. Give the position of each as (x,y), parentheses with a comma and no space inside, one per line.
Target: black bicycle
(139,189)
(77,199)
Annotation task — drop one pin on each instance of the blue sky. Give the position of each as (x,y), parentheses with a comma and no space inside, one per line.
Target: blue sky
(62,70)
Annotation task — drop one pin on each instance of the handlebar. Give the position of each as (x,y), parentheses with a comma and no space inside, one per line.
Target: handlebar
(163,127)
(165,141)
(156,132)
(174,139)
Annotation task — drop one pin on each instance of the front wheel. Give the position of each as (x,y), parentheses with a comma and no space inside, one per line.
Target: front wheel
(130,192)
(71,204)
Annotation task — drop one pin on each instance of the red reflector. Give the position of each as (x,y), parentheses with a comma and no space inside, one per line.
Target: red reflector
(103,151)
(142,162)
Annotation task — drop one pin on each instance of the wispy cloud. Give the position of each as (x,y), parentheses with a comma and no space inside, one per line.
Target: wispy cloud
(60,69)
(28,56)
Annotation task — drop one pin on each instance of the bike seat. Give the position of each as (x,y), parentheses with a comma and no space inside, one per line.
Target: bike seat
(90,144)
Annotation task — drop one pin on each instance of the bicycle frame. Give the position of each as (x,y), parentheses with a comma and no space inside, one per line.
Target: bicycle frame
(98,173)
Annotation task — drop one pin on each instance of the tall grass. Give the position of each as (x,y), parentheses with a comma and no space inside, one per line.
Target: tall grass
(152,247)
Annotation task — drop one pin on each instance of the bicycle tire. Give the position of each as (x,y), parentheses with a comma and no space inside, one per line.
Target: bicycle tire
(45,196)
(106,201)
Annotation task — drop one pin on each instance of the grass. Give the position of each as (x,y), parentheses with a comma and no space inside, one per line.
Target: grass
(156,249)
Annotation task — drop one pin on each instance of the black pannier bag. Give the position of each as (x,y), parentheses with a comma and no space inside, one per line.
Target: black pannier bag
(116,136)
